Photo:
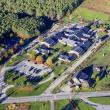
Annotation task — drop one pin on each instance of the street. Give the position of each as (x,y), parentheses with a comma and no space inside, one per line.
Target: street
(58,96)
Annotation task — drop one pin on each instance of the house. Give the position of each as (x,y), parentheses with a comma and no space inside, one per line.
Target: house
(43,49)
(85,45)
(83,77)
(50,42)
(74,35)
(102,73)
(66,57)
(58,35)
(85,29)
(69,42)
(77,50)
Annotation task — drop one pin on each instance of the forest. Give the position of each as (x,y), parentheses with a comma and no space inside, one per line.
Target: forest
(30,17)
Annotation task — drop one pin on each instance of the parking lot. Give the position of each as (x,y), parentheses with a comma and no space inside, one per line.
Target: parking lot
(28,68)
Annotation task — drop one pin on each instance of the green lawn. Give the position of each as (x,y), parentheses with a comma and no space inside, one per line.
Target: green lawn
(64,48)
(13,61)
(101,57)
(2,107)
(101,100)
(90,14)
(40,106)
(86,14)
(61,104)
(28,90)
(60,69)
(83,106)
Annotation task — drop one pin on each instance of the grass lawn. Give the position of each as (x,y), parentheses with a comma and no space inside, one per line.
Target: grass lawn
(90,10)
(60,69)
(99,58)
(2,107)
(89,14)
(64,48)
(28,90)
(13,61)
(101,100)
(83,106)
(59,105)
(40,106)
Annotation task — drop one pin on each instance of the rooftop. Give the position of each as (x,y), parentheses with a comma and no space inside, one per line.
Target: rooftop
(51,41)
(79,49)
(67,56)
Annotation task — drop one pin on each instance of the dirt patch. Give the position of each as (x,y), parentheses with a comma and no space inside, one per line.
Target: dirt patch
(27,89)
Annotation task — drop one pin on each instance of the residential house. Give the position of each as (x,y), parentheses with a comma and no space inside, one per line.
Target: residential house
(85,45)
(69,42)
(43,49)
(66,57)
(83,77)
(77,50)
(58,35)
(50,42)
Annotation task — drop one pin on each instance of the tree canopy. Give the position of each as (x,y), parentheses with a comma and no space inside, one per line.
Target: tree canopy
(50,8)
(26,17)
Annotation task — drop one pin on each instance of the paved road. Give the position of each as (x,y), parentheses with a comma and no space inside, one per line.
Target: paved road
(71,68)
(58,96)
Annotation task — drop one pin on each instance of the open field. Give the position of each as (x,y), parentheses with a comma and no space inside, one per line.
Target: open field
(28,90)
(98,5)
(40,106)
(90,10)
(61,104)
(101,100)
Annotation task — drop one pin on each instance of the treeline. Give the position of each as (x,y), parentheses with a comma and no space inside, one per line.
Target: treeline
(26,26)
(50,8)
(27,17)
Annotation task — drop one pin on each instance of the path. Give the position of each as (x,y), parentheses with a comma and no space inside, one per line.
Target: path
(52,105)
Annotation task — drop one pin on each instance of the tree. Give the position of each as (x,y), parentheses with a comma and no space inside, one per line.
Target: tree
(6,21)
(39,59)
(49,62)
(21,42)
(41,38)
(10,51)
(54,9)
(32,56)
(28,27)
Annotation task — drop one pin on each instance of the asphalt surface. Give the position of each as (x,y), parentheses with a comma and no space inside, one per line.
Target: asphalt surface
(58,96)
